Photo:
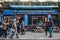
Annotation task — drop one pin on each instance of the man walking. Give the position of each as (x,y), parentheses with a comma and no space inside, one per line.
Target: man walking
(50,28)
(47,27)
(50,23)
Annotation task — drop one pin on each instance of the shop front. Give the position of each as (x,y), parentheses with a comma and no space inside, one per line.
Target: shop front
(34,16)
(39,20)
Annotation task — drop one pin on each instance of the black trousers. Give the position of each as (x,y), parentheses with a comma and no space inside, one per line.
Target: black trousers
(0,32)
(4,32)
(46,30)
(18,30)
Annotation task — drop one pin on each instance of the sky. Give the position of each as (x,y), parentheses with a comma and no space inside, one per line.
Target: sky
(34,0)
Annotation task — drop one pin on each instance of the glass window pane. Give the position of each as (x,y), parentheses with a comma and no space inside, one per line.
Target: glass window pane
(6,0)
(54,0)
(42,0)
(11,0)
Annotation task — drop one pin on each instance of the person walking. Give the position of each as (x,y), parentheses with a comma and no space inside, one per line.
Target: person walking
(12,31)
(15,25)
(47,27)
(4,28)
(50,23)
(50,28)
(22,28)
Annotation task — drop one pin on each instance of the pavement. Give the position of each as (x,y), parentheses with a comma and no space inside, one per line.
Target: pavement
(34,35)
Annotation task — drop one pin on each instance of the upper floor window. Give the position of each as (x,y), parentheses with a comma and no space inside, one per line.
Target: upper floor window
(9,0)
(32,0)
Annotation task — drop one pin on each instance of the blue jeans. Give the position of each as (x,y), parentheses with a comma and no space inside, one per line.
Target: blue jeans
(8,28)
(11,33)
(50,31)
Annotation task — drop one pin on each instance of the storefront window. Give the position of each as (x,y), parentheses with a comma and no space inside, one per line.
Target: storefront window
(8,18)
(55,21)
(38,20)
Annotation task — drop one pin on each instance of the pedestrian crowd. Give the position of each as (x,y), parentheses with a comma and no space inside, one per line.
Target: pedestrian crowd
(9,28)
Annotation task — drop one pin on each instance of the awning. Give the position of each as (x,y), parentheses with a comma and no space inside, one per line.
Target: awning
(11,12)
(38,11)
(32,7)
